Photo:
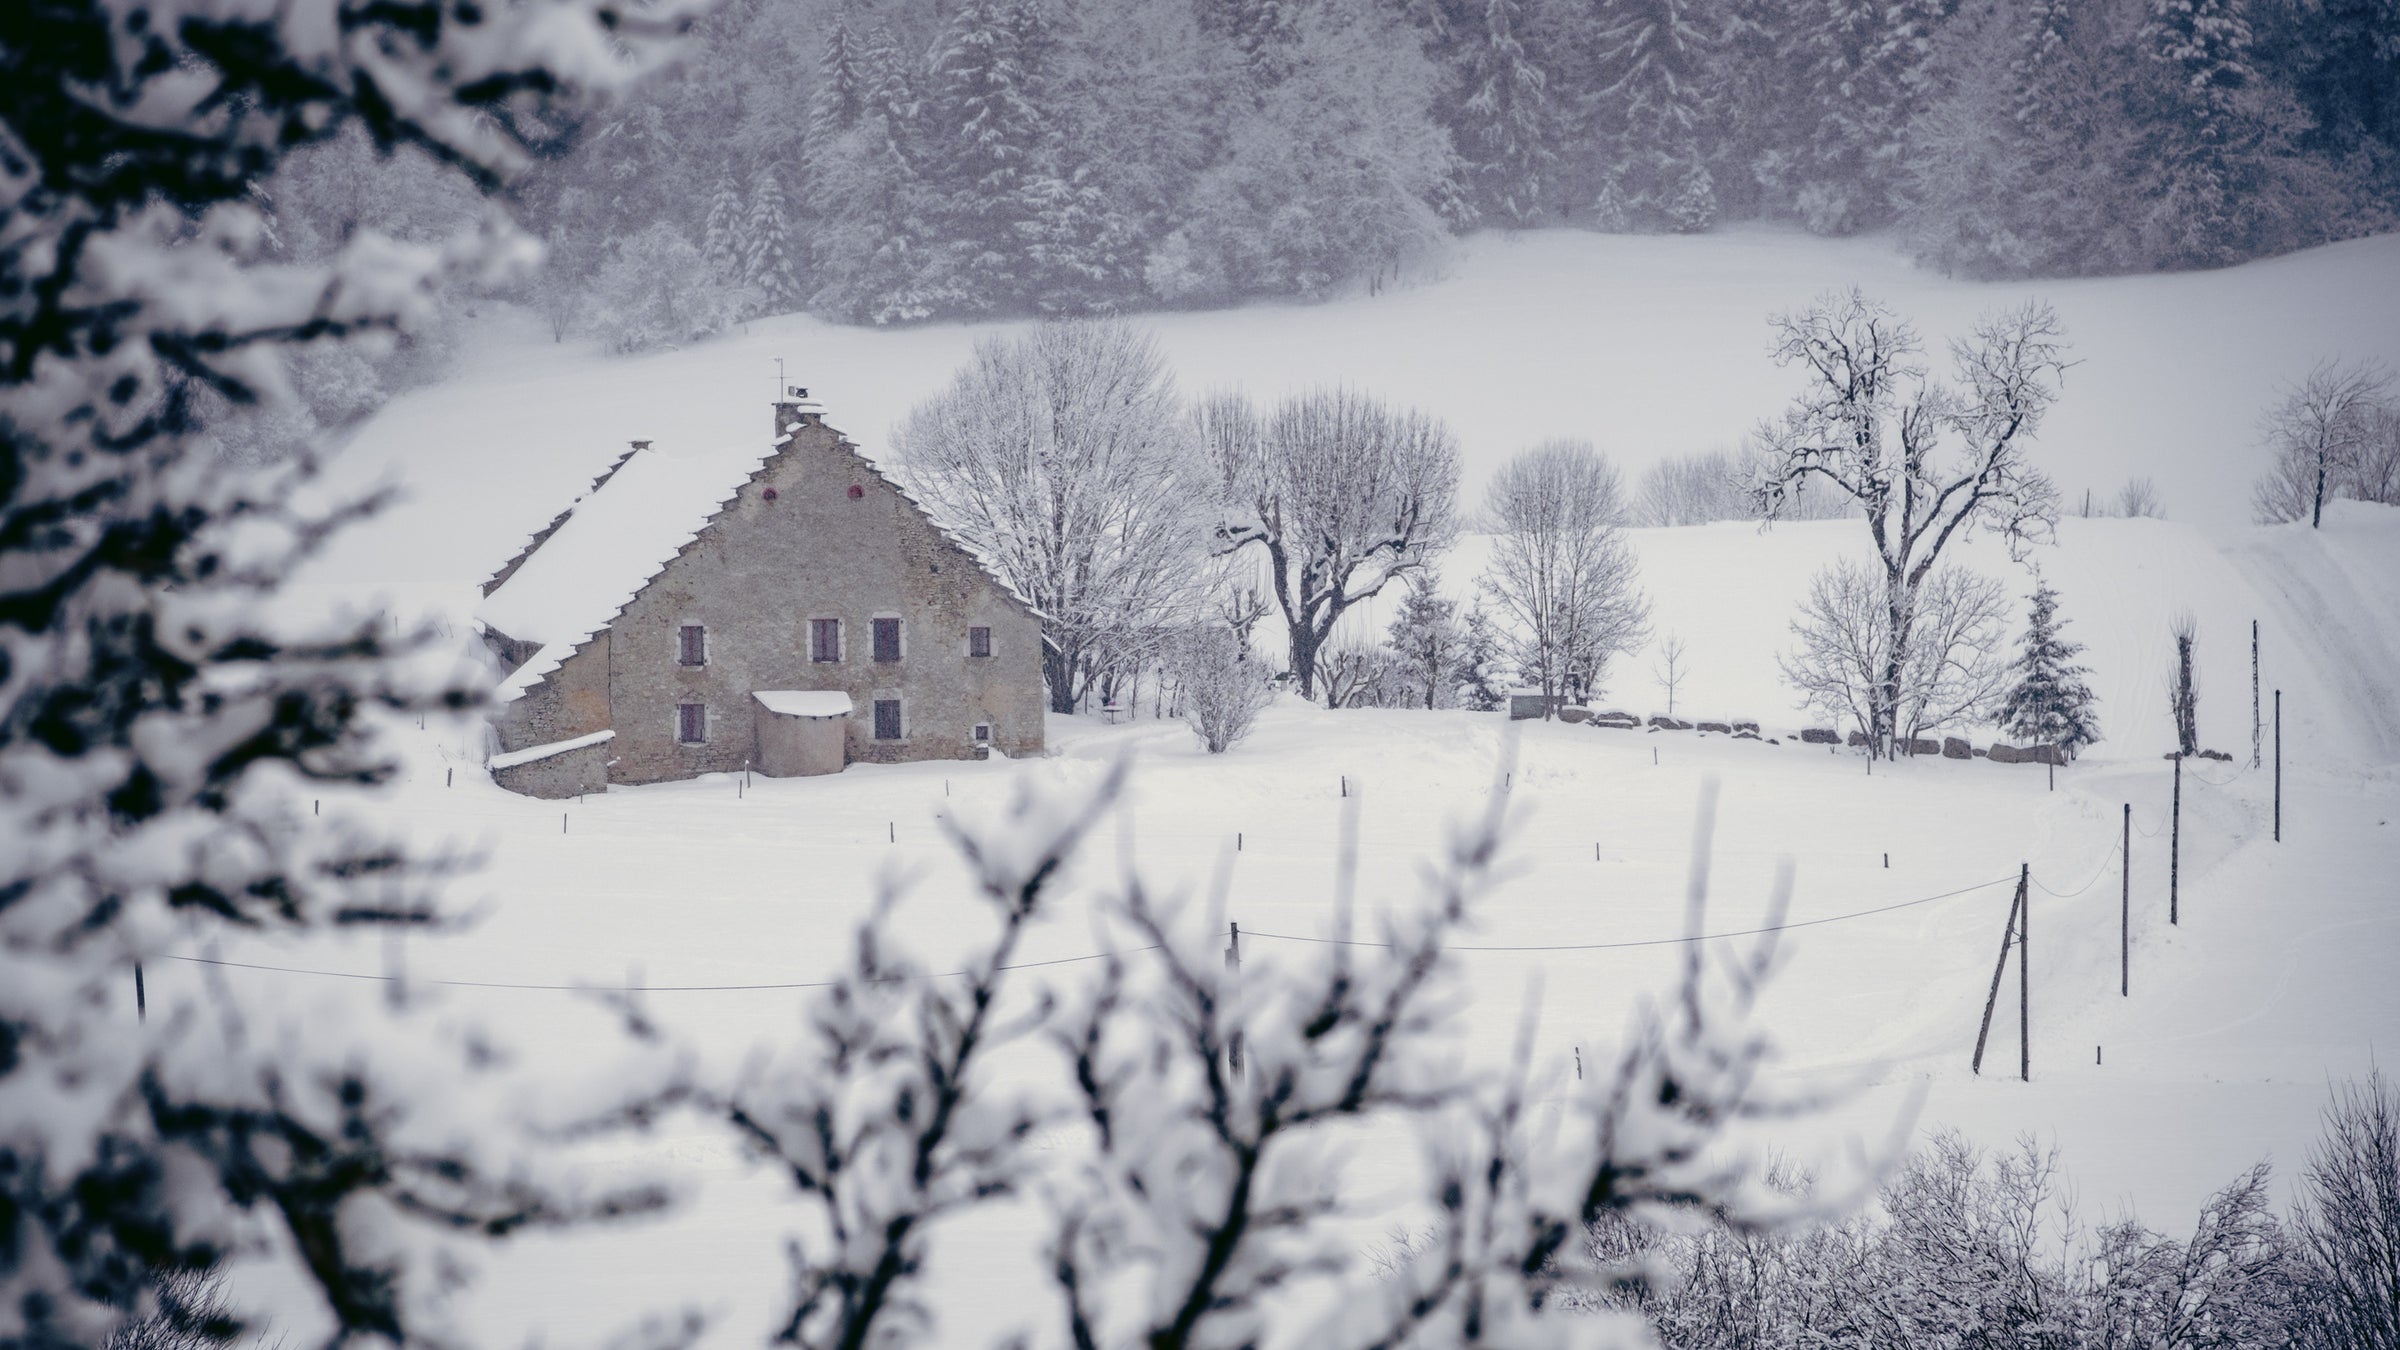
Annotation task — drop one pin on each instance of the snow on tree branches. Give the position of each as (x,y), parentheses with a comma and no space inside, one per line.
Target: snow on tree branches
(2049,704)
(1925,461)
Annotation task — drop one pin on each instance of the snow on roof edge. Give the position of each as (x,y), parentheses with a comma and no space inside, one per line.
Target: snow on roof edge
(804,702)
(534,753)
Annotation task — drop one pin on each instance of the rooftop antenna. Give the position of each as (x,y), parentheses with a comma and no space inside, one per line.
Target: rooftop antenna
(779,372)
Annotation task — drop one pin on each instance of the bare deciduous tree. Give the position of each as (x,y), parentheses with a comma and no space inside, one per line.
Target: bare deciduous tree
(2138,499)
(1561,574)
(1064,458)
(2318,434)
(2349,1219)
(1842,667)
(1670,668)
(1343,494)
(1925,461)
(1715,485)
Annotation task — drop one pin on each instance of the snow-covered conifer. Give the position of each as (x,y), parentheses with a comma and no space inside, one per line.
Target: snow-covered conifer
(1427,642)
(168,724)
(766,271)
(725,235)
(2049,703)
(1505,121)
(1648,111)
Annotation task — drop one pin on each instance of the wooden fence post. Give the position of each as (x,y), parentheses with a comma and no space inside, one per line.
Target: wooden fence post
(2125,909)
(2278,766)
(1233,963)
(2254,693)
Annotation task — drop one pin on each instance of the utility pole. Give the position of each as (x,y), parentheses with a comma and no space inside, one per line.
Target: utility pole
(2024,977)
(2175,841)
(1992,1000)
(2125,910)
(2278,766)
(2254,693)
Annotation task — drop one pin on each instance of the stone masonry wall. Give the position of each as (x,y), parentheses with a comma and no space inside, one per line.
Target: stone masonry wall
(572,701)
(770,563)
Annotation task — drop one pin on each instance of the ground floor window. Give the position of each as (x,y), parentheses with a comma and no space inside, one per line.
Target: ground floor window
(983,733)
(824,639)
(691,723)
(887,719)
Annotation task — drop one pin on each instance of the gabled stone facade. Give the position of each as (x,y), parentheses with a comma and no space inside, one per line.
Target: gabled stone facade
(814,534)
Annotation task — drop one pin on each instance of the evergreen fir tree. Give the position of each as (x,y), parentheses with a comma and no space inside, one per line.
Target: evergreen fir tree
(985,132)
(1648,111)
(766,270)
(1504,122)
(725,240)
(840,97)
(1482,674)
(2218,138)
(1426,642)
(2049,704)
(1861,64)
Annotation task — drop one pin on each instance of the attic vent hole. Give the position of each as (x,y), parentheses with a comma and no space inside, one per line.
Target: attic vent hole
(857,492)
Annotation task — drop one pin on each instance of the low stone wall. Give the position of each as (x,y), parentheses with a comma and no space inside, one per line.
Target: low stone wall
(569,773)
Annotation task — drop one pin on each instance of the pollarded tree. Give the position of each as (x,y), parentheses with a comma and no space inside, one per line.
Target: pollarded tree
(1926,462)
(165,720)
(2049,704)
(1343,494)
(1065,459)
(2319,433)
(1561,573)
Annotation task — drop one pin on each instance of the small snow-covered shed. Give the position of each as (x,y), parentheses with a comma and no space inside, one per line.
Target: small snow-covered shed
(780,605)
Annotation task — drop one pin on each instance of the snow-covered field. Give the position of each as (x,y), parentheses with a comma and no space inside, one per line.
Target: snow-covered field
(2277,978)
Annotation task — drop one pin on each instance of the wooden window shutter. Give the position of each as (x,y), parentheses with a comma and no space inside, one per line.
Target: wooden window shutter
(691,723)
(825,639)
(887,639)
(694,645)
(887,719)
(979,641)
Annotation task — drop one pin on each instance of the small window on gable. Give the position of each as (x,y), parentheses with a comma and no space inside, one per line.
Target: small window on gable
(693,649)
(979,642)
(824,639)
(887,639)
(887,719)
(983,733)
(691,723)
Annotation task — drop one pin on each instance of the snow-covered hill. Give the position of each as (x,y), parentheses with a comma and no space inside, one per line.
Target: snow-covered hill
(1645,346)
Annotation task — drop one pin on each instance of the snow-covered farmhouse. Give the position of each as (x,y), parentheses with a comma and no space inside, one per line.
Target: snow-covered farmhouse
(782,607)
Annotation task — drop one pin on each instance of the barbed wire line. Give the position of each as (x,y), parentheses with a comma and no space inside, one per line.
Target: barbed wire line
(595,987)
(1651,942)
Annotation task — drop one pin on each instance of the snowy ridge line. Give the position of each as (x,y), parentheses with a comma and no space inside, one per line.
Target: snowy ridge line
(594,988)
(1653,942)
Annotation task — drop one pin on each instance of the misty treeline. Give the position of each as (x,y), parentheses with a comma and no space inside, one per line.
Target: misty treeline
(887,161)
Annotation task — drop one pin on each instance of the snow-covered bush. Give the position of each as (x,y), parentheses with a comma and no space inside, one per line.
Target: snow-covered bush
(1210,1103)
(1222,690)
(657,289)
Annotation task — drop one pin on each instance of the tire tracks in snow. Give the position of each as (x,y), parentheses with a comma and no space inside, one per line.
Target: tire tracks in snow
(2341,637)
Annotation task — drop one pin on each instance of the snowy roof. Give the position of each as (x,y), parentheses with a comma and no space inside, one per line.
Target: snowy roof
(804,702)
(532,753)
(533,672)
(614,540)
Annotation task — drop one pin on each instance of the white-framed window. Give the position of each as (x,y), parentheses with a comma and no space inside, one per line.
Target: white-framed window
(825,640)
(889,726)
(887,637)
(691,645)
(983,733)
(691,723)
(979,641)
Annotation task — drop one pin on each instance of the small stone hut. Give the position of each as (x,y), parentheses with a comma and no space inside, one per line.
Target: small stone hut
(782,607)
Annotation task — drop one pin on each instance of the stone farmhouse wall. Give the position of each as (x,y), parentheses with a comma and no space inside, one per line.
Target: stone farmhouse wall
(816,533)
